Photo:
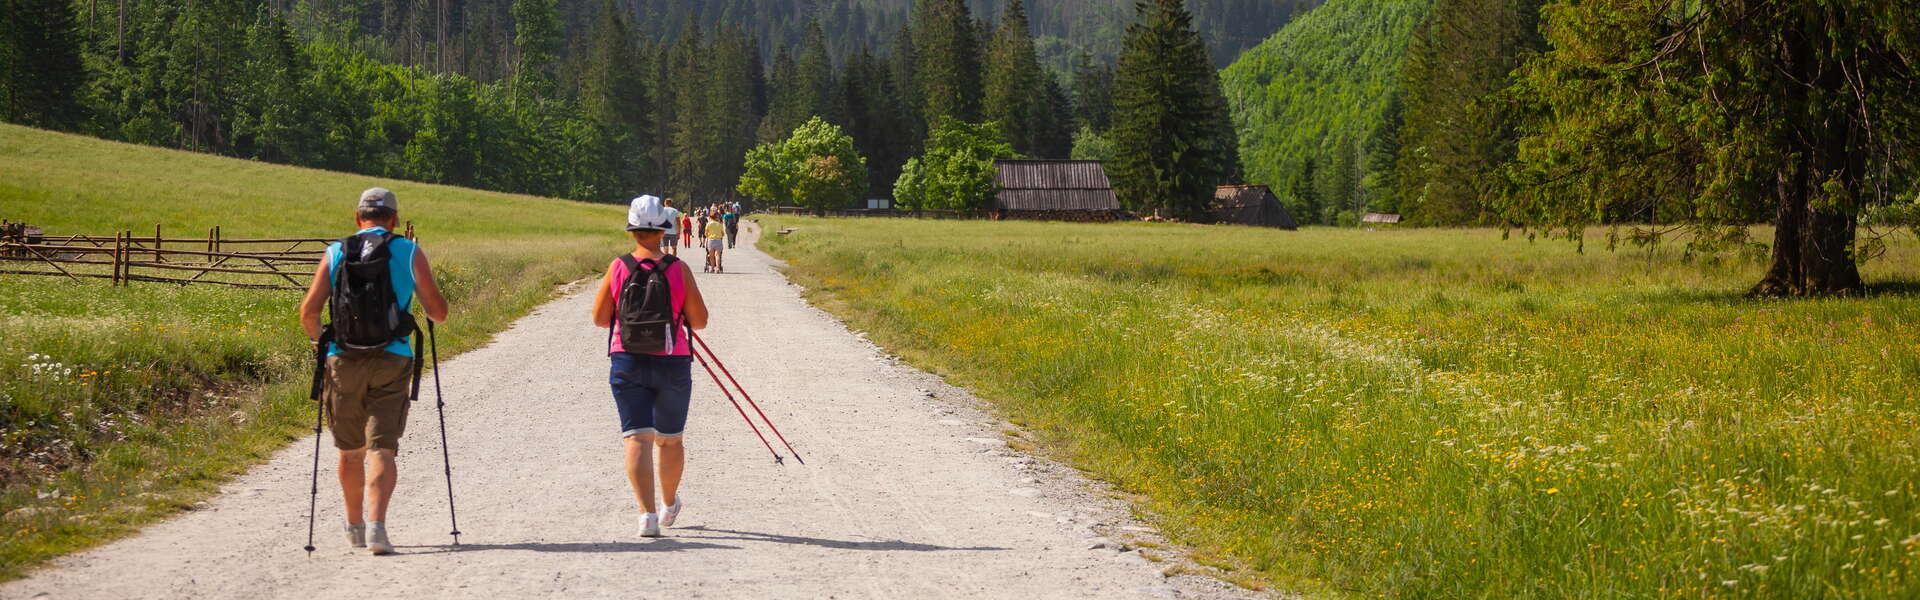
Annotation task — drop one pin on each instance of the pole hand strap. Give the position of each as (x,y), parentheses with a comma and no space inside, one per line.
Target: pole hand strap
(320,348)
(419,350)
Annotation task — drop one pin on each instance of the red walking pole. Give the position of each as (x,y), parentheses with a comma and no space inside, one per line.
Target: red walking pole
(743,394)
(743,413)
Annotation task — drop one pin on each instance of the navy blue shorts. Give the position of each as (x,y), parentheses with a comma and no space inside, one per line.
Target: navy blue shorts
(651,392)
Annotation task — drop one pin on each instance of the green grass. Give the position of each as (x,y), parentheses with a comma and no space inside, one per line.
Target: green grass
(1428,413)
(121,405)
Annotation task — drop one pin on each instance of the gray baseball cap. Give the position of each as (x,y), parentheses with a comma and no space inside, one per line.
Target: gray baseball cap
(379,198)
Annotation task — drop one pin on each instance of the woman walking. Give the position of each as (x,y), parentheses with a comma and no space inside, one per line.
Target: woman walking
(649,302)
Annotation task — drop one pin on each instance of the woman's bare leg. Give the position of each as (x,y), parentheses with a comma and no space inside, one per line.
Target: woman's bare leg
(673,463)
(640,469)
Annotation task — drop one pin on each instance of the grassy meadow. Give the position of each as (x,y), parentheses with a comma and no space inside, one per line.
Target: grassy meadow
(120,405)
(1428,413)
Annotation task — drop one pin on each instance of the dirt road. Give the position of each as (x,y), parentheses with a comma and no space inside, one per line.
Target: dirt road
(908,490)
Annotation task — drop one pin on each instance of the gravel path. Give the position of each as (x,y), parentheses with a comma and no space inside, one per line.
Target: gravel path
(909,490)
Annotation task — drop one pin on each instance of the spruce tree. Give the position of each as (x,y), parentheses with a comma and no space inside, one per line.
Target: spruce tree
(1457,133)
(730,121)
(786,104)
(946,42)
(270,121)
(40,70)
(538,38)
(613,95)
(1093,92)
(692,148)
(1015,95)
(814,70)
(1173,141)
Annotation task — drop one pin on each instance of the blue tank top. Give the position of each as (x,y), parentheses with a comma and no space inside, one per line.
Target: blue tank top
(400,267)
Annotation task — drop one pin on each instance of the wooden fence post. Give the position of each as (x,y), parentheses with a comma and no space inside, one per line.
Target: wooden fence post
(157,256)
(114,280)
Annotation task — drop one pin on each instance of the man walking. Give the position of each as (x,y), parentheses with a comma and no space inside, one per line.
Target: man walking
(368,282)
(674,230)
(732,220)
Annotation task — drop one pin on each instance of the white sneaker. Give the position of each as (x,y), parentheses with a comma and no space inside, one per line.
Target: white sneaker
(649,525)
(357,535)
(673,512)
(377,539)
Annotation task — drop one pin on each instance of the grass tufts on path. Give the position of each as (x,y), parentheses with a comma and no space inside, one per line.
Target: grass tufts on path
(119,406)
(1427,413)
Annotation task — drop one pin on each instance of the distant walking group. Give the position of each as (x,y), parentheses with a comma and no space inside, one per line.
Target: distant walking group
(713,229)
(369,281)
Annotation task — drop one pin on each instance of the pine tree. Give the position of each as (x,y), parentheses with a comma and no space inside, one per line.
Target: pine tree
(40,70)
(1173,141)
(946,42)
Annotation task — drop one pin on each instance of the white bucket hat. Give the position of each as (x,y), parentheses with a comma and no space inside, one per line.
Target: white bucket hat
(647,214)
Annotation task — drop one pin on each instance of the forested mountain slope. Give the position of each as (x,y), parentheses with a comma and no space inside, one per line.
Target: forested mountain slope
(1316,105)
(477,33)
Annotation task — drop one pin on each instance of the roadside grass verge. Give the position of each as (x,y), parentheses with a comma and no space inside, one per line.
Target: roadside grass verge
(1427,413)
(119,406)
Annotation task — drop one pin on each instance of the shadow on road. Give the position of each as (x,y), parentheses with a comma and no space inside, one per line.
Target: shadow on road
(882,545)
(659,545)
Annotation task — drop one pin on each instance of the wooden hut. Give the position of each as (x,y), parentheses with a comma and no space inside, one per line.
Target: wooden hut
(1250,205)
(1060,190)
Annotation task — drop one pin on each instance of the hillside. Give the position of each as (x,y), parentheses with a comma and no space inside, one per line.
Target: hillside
(124,404)
(1311,101)
(1063,28)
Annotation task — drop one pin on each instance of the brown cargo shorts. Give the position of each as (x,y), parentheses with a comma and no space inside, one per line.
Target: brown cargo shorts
(367,395)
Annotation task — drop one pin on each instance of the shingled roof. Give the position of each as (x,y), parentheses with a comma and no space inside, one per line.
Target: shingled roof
(1049,185)
(1250,205)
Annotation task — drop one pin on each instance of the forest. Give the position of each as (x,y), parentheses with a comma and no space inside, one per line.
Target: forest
(595,100)
(1543,116)
(1685,121)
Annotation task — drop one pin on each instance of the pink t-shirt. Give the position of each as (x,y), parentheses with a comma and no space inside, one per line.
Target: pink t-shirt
(676,282)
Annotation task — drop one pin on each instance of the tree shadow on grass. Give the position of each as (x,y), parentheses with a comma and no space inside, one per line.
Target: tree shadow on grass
(1888,289)
(876,545)
(658,545)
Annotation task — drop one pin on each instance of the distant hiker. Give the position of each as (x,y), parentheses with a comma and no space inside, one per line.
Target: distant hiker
(648,302)
(368,282)
(732,221)
(686,227)
(672,239)
(716,242)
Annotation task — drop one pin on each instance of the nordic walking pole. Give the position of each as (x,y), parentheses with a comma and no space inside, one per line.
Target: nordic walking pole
(313,500)
(736,406)
(743,394)
(319,415)
(440,404)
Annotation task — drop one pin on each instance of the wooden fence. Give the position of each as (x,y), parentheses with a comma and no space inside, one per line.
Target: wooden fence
(990,215)
(123,258)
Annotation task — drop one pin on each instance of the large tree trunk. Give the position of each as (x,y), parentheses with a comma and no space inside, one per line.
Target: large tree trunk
(1813,245)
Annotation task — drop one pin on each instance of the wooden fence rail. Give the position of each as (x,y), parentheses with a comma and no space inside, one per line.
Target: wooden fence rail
(254,263)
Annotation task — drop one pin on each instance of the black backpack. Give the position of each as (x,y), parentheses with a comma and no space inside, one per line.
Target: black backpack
(366,311)
(644,307)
